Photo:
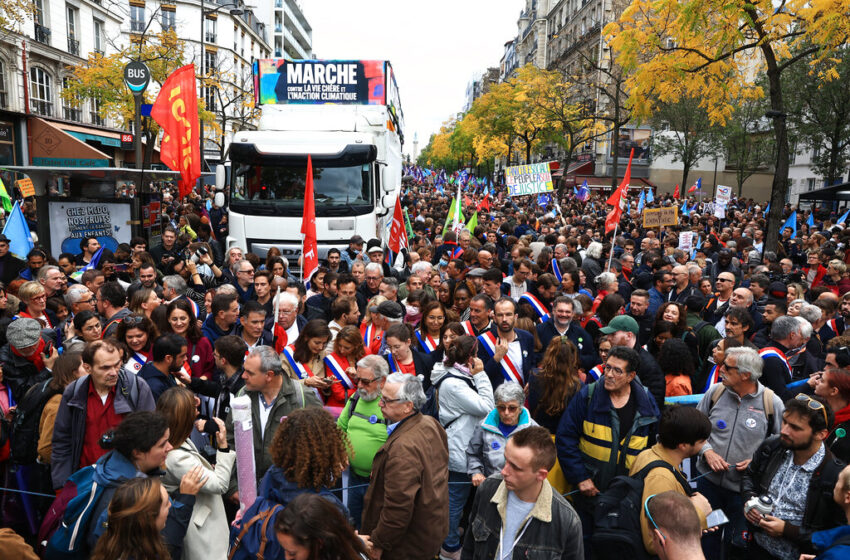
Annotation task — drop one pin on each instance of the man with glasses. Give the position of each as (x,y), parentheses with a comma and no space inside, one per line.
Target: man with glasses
(244,273)
(719,303)
(406,511)
(363,421)
(799,473)
(603,430)
(10,266)
(682,288)
(743,413)
(289,322)
(370,286)
(682,432)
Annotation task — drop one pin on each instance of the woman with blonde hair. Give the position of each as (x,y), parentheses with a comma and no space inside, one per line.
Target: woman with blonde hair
(33,296)
(137,514)
(207,534)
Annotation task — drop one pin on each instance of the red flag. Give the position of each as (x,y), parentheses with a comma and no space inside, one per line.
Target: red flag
(176,111)
(467,201)
(676,192)
(618,198)
(485,202)
(310,249)
(398,233)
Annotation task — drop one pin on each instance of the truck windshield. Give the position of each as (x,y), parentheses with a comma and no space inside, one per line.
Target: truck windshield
(279,189)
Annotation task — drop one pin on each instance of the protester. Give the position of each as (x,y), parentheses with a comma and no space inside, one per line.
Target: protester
(311,528)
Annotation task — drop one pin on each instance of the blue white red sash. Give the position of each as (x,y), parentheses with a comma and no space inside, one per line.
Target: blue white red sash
(456,252)
(556,270)
(833,326)
(301,370)
(468,328)
(135,362)
(770,351)
(195,309)
(334,364)
(713,377)
(393,365)
(595,373)
(368,334)
(538,306)
(428,343)
(509,370)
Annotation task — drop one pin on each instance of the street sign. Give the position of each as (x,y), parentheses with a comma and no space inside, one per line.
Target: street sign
(137,76)
(127,140)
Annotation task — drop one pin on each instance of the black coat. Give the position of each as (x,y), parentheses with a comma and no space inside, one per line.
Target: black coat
(10,267)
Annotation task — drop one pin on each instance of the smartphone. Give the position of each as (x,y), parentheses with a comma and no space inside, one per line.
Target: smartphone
(716,518)
(48,348)
(121,267)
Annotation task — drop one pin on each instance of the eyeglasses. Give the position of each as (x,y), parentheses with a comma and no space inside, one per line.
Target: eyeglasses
(814,405)
(42,296)
(367,382)
(724,367)
(388,401)
(614,370)
(246,272)
(507,408)
(649,515)
(86,300)
(724,280)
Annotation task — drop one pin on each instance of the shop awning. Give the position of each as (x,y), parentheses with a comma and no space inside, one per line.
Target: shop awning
(52,146)
(92,134)
(581,168)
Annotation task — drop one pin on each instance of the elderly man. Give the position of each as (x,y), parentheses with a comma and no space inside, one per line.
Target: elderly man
(243,271)
(682,288)
(744,413)
(363,422)
(371,285)
(418,280)
(741,298)
(406,512)
(560,323)
(786,334)
(53,280)
(604,429)
(289,322)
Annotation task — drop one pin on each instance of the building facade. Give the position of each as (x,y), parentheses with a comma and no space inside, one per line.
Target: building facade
(293,35)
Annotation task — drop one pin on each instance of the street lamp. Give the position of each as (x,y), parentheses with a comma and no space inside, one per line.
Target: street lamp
(235,10)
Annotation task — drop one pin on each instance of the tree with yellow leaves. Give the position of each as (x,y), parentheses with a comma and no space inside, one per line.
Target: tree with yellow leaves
(714,50)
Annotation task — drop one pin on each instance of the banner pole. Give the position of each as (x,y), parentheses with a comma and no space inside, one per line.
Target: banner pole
(611,252)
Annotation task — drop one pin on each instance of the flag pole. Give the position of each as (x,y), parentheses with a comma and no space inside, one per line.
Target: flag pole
(611,252)
(277,304)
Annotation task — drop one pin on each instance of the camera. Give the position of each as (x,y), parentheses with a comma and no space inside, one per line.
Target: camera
(762,504)
(196,256)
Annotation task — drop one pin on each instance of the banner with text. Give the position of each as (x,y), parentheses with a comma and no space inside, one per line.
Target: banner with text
(72,221)
(528,179)
(657,217)
(317,82)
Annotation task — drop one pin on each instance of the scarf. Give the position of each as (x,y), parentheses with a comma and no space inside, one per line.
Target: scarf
(36,358)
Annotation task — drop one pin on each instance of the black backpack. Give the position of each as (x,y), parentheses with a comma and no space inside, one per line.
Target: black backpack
(432,403)
(617,530)
(24,440)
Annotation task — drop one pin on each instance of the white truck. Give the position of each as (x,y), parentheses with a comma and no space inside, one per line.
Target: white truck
(347,116)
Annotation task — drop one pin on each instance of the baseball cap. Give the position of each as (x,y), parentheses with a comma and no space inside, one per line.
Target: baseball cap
(777,290)
(23,332)
(621,323)
(4,239)
(391,310)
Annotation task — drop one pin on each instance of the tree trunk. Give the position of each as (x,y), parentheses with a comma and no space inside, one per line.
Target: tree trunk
(780,175)
(686,170)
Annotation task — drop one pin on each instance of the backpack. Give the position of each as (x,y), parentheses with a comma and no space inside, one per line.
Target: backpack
(617,528)
(767,396)
(432,402)
(253,536)
(25,432)
(63,532)
(352,404)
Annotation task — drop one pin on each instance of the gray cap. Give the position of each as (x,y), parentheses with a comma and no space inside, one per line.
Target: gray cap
(23,332)
(391,310)
(476,273)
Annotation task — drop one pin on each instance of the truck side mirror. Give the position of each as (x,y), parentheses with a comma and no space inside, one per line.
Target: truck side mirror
(388,182)
(220,177)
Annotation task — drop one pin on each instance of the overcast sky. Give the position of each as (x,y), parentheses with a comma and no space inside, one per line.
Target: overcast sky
(435,47)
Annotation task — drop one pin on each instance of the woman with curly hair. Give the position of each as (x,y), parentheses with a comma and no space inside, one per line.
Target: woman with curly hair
(311,528)
(137,515)
(677,314)
(309,453)
(676,362)
(554,383)
(340,364)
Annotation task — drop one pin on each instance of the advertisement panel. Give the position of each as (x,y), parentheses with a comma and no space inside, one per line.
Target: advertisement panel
(318,82)
(528,179)
(71,221)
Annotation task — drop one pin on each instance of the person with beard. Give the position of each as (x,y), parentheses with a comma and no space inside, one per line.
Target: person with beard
(169,355)
(774,308)
(798,472)
(638,310)
(507,353)
(560,323)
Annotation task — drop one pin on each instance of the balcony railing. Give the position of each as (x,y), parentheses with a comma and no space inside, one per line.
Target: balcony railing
(210,37)
(72,114)
(73,46)
(41,107)
(95,118)
(137,26)
(42,34)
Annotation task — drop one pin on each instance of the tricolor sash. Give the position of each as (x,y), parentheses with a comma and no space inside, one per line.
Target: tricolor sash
(368,333)
(596,372)
(509,370)
(195,309)
(393,365)
(713,377)
(468,328)
(337,365)
(833,326)
(457,252)
(135,362)
(770,351)
(556,270)
(428,343)
(301,370)
(538,306)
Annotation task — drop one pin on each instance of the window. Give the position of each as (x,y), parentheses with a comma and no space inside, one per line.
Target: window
(95,112)
(168,19)
(39,12)
(137,19)
(98,36)
(210,27)
(209,98)
(71,108)
(72,18)
(235,39)
(811,184)
(41,92)
(4,98)
(210,62)
(42,32)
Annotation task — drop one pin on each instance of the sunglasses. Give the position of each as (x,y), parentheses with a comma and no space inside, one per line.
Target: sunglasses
(814,405)
(134,319)
(508,408)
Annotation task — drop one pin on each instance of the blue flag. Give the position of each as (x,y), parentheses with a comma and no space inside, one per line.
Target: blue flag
(583,193)
(575,192)
(543,199)
(649,196)
(767,209)
(843,218)
(685,211)
(18,232)
(811,221)
(642,201)
(791,222)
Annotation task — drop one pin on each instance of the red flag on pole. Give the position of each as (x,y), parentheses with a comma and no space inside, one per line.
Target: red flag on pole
(310,249)
(618,198)
(398,233)
(176,111)
(676,192)
(485,202)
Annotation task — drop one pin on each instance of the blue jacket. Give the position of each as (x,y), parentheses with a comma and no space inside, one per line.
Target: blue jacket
(656,300)
(822,541)
(275,487)
(157,381)
(546,331)
(492,367)
(212,332)
(589,441)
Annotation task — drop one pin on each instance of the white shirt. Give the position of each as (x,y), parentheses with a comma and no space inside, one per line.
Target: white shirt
(265,412)
(516,289)
(515,354)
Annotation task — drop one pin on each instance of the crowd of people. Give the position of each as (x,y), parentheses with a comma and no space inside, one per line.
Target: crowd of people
(504,392)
